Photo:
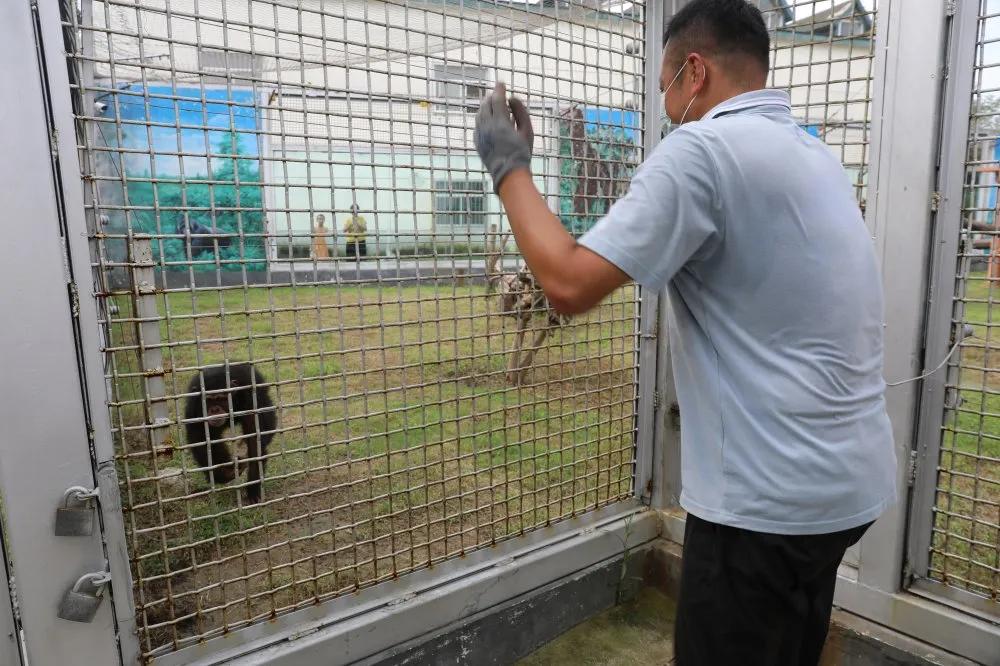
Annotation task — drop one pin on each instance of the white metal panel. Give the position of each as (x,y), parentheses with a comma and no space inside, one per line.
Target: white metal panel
(45,445)
(910,63)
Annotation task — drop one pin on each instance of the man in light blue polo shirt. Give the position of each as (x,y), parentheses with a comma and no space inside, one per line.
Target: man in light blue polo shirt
(775,329)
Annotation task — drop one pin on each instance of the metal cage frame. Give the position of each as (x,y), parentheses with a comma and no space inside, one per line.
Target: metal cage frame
(914,199)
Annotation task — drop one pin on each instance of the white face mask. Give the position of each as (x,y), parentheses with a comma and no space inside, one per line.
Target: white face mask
(666,125)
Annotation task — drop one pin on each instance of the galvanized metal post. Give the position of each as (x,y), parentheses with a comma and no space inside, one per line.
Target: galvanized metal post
(648,402)
(940,327)
(147,327)
(908,94)
(47,445)
(667,438)
(119,610)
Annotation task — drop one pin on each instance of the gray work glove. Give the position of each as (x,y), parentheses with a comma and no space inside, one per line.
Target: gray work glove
(502,144)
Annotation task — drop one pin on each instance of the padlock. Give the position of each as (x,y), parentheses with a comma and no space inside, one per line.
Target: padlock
(76,520)
(80,603)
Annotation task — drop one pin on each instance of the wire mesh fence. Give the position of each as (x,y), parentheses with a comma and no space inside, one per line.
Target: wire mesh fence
(292,185)
(965,538)
(822,53)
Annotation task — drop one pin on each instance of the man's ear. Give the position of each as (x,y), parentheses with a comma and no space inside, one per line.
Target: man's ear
(699,72)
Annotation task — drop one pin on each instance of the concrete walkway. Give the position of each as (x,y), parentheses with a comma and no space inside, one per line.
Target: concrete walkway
(637,632)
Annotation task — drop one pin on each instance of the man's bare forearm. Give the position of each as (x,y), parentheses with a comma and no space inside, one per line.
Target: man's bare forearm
(573,278)
(546,245)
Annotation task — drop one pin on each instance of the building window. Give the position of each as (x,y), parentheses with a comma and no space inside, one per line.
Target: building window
(460,203)
(218,66)
(849,28)
(461,82)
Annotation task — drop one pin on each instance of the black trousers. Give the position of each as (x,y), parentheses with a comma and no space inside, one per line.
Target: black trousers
(754,598)
(357,249)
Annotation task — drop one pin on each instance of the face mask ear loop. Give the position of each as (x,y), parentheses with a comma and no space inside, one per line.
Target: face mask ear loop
(687,109)
(676,76)
(670,123)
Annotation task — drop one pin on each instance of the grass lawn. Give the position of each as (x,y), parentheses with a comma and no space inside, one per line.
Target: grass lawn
(965,551)
(400,442)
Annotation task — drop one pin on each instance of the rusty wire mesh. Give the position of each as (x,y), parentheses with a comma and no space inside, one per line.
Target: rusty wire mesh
(224,147)
(965,533)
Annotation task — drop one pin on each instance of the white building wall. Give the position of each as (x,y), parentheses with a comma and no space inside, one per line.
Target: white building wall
(349,87)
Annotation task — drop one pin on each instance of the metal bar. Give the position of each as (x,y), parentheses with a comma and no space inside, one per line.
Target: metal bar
(666,461)
(149,344)
(940,323)
(907,103)
(93,327)
(43,455)
(667,449)
(957,598)
(956,631)
(420,603)
(649,307)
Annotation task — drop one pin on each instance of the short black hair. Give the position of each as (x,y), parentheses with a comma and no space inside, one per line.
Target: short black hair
(721,27)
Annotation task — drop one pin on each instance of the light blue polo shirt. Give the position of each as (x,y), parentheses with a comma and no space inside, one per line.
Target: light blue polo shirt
(775,319)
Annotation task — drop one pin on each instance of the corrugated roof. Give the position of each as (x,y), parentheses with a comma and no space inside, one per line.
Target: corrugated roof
(822,20)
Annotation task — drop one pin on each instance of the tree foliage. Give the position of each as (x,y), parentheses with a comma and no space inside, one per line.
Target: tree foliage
(590,183)
(229,201)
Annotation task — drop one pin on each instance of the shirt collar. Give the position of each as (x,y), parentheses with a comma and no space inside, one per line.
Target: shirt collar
(751,100)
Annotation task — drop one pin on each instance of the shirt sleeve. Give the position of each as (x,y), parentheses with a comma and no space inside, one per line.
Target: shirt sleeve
(670,215)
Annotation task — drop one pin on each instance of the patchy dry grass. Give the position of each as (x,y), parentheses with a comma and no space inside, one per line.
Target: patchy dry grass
(965,549)
(400,444)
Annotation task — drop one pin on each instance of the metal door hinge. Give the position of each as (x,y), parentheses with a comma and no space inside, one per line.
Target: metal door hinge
(935,201)
(911,476)
(950,7)
(909,574)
